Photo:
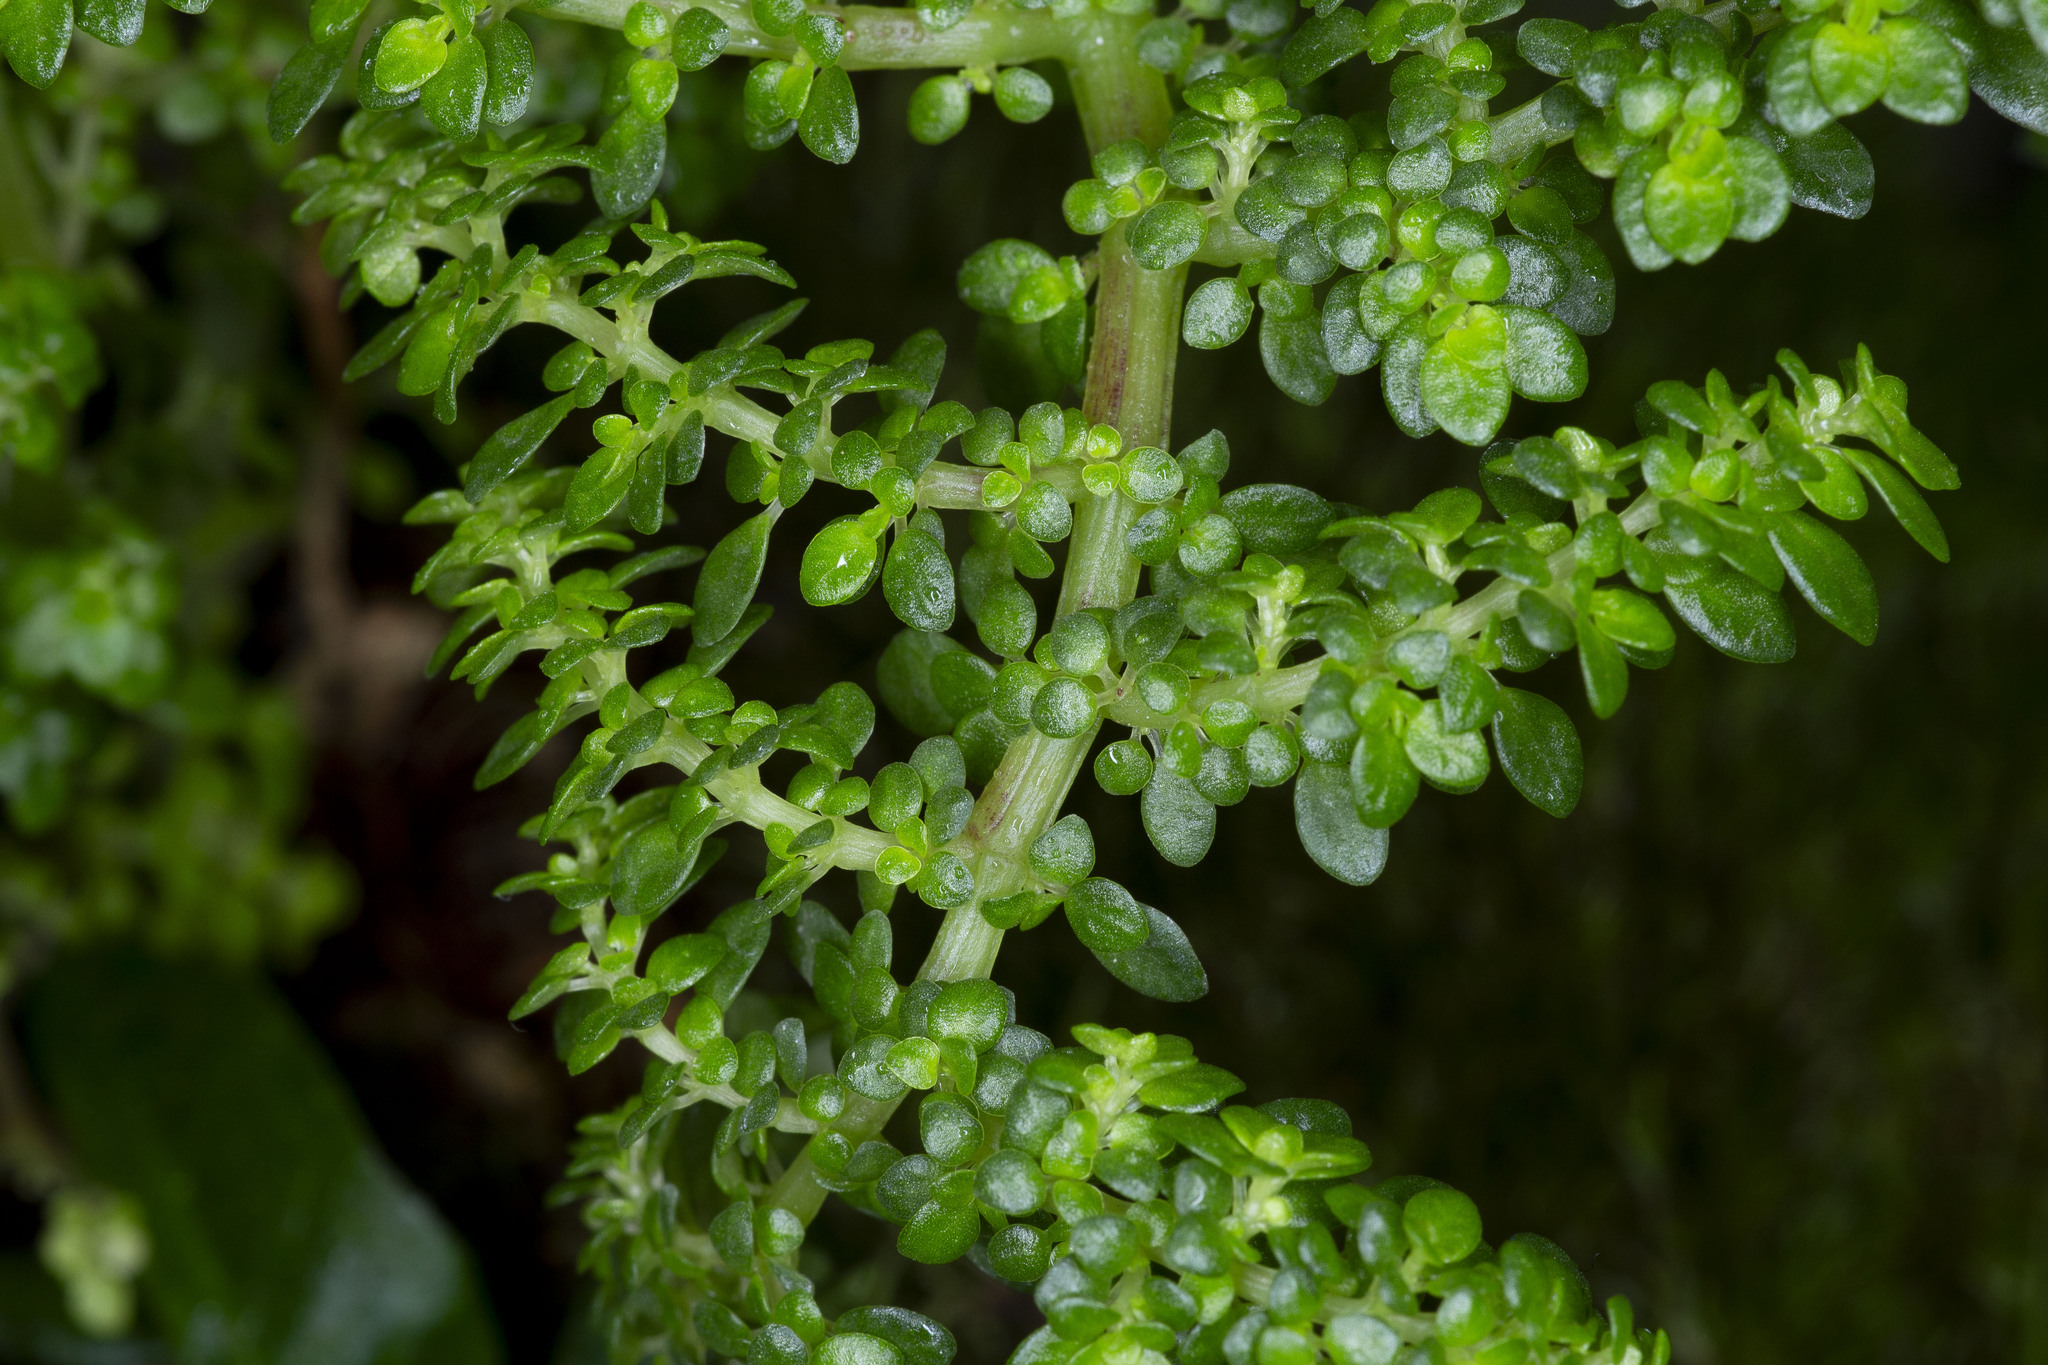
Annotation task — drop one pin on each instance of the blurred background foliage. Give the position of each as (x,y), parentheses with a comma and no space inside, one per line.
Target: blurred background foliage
(1758,1033)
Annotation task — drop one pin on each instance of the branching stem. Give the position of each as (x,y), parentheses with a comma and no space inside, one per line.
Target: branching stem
(877,37)
(1129,386)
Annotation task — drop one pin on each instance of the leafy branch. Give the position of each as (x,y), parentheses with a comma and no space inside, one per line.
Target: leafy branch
(1259,636)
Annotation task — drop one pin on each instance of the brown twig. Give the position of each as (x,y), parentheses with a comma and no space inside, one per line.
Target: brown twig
(326,592)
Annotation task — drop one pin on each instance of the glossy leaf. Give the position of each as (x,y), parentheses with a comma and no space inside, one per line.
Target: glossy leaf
(1327,820)
(1539,751)
(732,572)
(1163,967)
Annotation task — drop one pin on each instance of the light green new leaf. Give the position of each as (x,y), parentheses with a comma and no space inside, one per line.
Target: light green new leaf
(1850,68)
(1689,215)
(1601,667)
(1465,384)
(1631,189)
(1763,194)
(1455,761)
(1929,82)
(838,564)
(1546,360)
(1217,314)
(1796,106)
(1195,1089)
(408,56)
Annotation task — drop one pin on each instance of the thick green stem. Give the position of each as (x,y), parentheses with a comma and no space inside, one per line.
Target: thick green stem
(1130,387)
(878,37)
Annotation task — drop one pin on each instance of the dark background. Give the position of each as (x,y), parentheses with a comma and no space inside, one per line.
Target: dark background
(1757,1033)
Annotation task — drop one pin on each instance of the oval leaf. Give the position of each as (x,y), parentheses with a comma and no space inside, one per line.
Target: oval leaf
(1327,820)
(726,585)
(1735,614)
(1830,575)
(1164,966)
(1539,751)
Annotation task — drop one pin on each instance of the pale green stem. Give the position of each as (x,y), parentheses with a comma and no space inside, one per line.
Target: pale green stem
(1130,386)
(941,485)
(877,37)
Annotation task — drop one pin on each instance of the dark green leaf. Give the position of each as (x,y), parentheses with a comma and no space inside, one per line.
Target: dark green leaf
(904,678)
(1327,820)
(453,100)
(1904,500)
(729,578)
(655,867)
(303,85)
(1292,348)
(1322,44)
(1539,751)
(628,164)
(200,1094)
(1829,574)
(36,35)
(917,582)
(119,22)
(1179,822)
(1734,613)
(508,59)
(511,446)
(830,122)
(1164,966)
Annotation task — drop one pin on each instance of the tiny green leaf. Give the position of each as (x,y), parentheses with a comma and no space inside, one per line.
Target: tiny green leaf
(838,564)
(1539,751)
(732,572)
(830,122)
(1829,574)
(1327,820)
(1164,966)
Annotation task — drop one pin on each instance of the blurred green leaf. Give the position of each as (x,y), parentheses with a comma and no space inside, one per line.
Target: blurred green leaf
(282,1235)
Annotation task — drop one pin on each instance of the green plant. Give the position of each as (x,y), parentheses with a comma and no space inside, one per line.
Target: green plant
(1358,241)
